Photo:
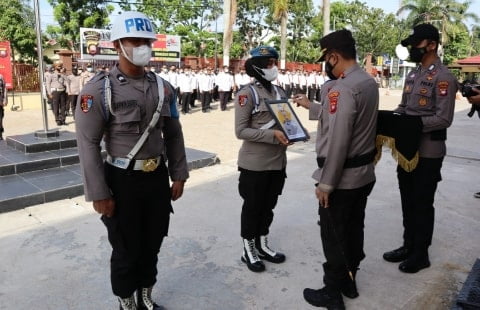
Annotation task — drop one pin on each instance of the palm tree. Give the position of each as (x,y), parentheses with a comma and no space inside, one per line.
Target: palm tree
(281,13)
(447,15)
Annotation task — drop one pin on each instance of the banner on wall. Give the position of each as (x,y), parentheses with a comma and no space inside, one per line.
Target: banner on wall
(95,44)
(6,63)
(166,48)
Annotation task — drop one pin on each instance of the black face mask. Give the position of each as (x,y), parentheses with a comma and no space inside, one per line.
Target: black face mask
(416,53)
(329,70)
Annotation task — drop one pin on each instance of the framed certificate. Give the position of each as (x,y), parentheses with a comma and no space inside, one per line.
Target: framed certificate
(286,118)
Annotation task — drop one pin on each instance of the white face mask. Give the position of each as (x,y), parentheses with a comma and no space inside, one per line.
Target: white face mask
(89,69)
(269,74)
(140,55)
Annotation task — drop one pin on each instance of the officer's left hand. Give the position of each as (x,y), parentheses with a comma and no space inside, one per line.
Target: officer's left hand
(280,136)
(177,189)
(322,197)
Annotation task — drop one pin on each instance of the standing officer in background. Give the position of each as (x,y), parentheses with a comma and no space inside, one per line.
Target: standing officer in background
(262,158)
(429,92)
(345,152)
(73,89)
(142,131)
(3,102)
(225,83)
(56,90)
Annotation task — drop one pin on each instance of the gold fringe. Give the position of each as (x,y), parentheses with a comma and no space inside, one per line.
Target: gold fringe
(407,165)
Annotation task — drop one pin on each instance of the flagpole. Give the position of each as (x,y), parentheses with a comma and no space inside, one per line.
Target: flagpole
(40,65)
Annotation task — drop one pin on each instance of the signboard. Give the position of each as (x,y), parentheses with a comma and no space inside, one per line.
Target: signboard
(6,63)
(95,44)
(395,68)
(166,48)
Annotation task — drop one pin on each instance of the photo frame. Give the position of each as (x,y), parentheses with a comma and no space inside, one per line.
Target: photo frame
(286,118)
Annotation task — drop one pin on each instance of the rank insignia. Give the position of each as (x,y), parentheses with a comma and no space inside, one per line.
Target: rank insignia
(333,100)
(422,101)
(443,88)
(86,102)
(242,100)
(423,91)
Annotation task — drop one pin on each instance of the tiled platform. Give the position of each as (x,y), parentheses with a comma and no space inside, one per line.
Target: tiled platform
(52,173)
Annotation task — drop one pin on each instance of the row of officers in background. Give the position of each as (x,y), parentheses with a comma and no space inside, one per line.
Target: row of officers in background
(204,85)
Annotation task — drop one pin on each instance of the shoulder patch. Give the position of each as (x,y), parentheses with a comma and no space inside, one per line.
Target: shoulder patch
(443,88)
(242,100)
(333,100)
(86,102)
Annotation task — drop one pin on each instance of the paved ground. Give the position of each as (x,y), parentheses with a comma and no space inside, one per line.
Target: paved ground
(55,256)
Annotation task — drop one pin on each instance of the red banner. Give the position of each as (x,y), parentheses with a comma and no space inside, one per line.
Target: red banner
(6,63)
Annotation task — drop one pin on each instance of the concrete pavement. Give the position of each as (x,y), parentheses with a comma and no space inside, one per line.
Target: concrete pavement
(55,255)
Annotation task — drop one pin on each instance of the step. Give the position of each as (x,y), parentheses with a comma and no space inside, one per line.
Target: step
(39,186)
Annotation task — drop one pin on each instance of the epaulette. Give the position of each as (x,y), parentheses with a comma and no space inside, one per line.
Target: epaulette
(97,77)
(151,76)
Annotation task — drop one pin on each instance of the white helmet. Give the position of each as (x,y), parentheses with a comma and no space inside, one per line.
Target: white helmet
(132,24)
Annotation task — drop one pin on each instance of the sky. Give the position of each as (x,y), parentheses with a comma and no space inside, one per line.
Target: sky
(389,6)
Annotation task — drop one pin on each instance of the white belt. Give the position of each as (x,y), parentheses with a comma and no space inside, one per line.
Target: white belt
(57,89)
(146,165)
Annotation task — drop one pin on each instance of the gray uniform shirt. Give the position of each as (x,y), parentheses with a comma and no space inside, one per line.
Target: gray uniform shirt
(73,84)
(260,149)
(430,93)
(347,123)
(133,103)
(55,82)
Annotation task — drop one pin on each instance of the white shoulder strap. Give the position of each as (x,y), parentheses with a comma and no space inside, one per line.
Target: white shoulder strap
(153,122)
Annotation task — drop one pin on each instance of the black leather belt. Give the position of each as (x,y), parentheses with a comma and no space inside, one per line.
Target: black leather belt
(357,161)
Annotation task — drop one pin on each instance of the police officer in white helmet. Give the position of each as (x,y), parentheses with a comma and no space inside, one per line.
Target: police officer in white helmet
(135,114)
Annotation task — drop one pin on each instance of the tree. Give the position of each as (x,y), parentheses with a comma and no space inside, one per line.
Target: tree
(375,32)
(281,14)
(17,25)
(191,19)
(446,15)
(73,14)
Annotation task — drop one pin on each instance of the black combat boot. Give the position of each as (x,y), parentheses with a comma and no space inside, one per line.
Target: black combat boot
(250,256)
(127,303)
(324,297)
(349,286)
(415,262)
(144,300)
(264,252)
(397,255)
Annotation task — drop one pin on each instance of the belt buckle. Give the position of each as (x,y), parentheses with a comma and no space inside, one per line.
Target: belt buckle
(150,165)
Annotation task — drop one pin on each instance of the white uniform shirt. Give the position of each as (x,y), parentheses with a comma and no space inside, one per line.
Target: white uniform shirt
(205,82)
(185,82)
(224,81)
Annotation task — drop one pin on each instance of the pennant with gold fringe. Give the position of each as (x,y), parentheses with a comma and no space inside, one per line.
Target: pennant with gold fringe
(401,133)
